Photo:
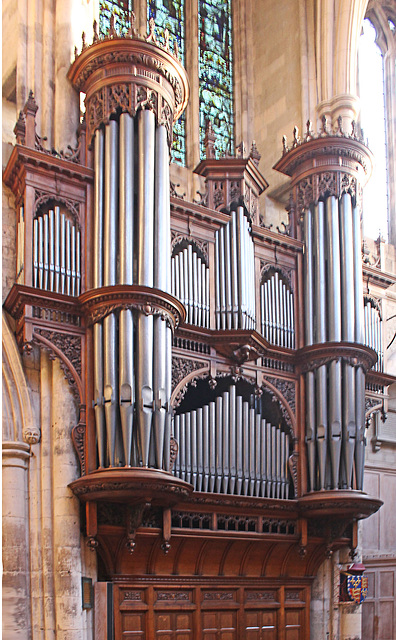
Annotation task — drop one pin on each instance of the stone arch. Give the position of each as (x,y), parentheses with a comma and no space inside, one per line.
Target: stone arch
(18,420)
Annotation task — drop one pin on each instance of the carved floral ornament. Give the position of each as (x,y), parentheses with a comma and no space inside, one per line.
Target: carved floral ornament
(323,185)
(128,97)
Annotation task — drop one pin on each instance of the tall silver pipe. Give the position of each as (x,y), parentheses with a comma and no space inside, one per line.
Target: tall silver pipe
(68,257)
(257,447)
(320,326)
(57,250)
(242,270)
(45,251)
(334,334)
(195,286)
(51,250)
(348,333)
(193,448)
(183,293)
(168,392)
(206,447)
(239,445)
(97,282)
(252,444)
(145,270)
(246,448)
(110,250)
(228,274)
(35,252)
(73,260)
(226,441)
(126,244)
(40,252)
(182,446)
(217,288)
(269,459)
(200,453)
(62,253)
(188,447)
(212,445)
(234,269)
(190,285)
(223,320)
(161,281)
(310,429)
(219,442)
(232,438)
(176,435)
(263,484)
(199,288)
(78,263)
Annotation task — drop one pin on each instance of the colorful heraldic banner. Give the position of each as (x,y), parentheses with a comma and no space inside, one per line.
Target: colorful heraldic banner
(357,588)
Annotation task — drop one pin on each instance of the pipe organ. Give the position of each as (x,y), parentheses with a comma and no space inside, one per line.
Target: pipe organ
(373,330)
(186,408)
(326,195)
(227,446)
(56,253)
(277,309)
(190,283)
(132,348)
(235,277)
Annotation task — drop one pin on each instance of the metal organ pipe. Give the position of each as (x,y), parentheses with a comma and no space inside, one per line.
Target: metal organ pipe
(310,428)
(145,231)
(110,233)
(190,284)
(125,321)
(230,448)
(235,294)
(320,326)
(348,334)
(334,334)
(98,282)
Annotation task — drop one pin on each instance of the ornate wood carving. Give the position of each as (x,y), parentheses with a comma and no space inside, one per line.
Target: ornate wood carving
(73,206)
(78,438)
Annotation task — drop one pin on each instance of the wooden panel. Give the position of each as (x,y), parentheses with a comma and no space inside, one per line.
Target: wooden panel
(133,625)
(293,620)
(386,621)
(368,620)
(260,625)
(173,625)
(219,625)
(379,609)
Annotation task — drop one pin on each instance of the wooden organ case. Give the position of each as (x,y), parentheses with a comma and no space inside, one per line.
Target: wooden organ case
(216,470)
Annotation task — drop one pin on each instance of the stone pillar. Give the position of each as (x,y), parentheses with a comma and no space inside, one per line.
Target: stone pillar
(66,514)
(16,605)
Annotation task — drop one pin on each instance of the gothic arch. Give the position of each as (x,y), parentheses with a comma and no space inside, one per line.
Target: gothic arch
(18,421)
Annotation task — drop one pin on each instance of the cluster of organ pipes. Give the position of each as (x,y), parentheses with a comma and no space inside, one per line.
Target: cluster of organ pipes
(277,311)
(235,276)
(190,284)
(373,332)
(227,446)
(56,253)
(132,350)
(333,308)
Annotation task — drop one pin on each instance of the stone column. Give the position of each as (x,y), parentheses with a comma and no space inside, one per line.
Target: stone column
(66,514)
(16,606)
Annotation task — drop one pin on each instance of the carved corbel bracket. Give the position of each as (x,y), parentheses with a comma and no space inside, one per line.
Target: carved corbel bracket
(134,519)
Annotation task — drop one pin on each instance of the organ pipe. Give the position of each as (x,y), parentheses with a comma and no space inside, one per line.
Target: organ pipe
(234,446)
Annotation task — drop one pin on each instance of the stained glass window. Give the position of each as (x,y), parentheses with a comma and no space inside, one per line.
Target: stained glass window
(169,14)
(122,11)
(215,74)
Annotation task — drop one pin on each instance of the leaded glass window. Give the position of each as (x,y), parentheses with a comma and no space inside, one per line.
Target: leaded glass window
(215,74)
(122,12)
(169,14)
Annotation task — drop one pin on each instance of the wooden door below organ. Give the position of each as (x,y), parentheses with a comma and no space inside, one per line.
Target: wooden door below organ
(220,612)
